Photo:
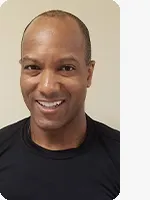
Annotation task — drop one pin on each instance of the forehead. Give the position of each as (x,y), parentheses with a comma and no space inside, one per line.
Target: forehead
(50,36)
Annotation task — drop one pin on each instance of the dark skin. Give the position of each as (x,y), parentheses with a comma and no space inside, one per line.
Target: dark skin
(54,69)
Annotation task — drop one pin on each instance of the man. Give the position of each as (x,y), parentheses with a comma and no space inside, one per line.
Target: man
(58,152)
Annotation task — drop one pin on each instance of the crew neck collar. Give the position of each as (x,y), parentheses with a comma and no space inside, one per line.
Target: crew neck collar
(60,154)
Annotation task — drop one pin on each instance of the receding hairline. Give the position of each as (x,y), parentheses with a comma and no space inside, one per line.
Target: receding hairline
(43,17)
(59,14)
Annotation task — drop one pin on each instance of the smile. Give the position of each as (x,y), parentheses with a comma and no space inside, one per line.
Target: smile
(50,105)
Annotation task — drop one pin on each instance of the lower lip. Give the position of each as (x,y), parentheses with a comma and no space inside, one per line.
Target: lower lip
(49,110)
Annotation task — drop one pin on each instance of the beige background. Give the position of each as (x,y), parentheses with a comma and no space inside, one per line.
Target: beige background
(102,19)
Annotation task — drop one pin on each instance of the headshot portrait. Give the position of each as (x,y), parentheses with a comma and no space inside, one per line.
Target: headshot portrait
(60,105)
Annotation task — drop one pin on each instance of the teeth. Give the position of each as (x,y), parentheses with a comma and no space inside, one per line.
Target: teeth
(50,104)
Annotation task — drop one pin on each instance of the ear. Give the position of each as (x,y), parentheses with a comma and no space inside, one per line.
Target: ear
(90,72)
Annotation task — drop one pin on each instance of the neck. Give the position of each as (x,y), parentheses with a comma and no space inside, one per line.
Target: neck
(67,137)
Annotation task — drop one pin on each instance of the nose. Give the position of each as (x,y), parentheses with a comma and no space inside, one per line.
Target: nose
(48,83)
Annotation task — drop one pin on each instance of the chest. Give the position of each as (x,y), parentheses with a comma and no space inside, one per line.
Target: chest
(37,178)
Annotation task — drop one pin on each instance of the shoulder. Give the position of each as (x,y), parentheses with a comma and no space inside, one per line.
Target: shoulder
(8,132)
(109,138)
(106,132)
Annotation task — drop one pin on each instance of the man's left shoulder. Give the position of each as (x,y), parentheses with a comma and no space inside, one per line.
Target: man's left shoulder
(109,138)
(106,132)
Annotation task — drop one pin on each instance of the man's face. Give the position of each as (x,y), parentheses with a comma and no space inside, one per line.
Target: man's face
(54,75)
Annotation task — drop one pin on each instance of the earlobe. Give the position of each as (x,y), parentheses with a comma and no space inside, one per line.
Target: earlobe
(88,85)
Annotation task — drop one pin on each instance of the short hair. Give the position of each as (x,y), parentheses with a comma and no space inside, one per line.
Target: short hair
(82,26)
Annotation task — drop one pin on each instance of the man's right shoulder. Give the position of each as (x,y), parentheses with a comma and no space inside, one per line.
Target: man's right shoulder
(7,132)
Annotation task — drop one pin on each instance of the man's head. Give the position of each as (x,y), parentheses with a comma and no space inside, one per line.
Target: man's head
(56,68)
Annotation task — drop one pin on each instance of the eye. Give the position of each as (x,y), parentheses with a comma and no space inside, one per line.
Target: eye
(32,67)
(67,68)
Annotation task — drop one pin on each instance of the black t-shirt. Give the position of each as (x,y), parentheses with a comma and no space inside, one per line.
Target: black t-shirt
(30,172)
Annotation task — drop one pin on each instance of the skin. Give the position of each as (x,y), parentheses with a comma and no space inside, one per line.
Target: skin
(53,67)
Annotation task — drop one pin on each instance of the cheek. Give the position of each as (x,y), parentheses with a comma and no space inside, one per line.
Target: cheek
(77,89)
(27,87)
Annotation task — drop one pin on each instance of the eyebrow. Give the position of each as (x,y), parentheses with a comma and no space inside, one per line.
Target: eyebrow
(61,60)
(28,58)
(69,58)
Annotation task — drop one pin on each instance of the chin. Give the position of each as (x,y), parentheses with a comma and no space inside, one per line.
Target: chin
(50,124)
